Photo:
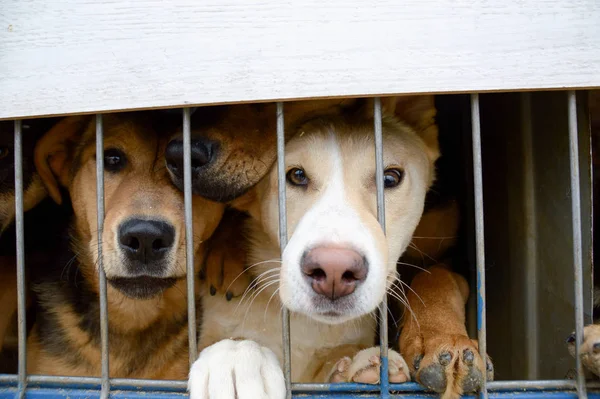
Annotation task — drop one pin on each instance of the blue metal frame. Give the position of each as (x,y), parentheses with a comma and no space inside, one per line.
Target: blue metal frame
(10,390)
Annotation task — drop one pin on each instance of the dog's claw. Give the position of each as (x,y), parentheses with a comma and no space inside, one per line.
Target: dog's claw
(417,361)
(229,295)
(445,358)
(468,357)
(213,290)
(570,339)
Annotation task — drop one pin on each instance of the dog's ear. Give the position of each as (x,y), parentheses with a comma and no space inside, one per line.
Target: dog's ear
(418,112)
(54,153)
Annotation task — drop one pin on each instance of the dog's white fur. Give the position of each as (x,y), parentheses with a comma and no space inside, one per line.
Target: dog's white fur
(337,208)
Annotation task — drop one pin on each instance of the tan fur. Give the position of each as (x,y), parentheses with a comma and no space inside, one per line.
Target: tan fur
(66,156)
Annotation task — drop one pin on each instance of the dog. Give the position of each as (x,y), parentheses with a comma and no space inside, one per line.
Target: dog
(33,194)
(143,247)
(338,263)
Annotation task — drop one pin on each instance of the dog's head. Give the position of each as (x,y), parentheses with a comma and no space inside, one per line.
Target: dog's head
(33,189)
(143,242)
(233,147)
(338,262)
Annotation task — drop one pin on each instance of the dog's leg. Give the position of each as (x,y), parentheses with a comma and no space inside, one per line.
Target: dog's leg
(434,338)
(225,257)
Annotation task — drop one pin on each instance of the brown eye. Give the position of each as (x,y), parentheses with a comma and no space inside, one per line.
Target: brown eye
(4,151)
(392,177)
(297,177)
(114,160)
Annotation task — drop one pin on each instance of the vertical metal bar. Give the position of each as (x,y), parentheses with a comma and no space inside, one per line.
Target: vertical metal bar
(479,236)
(285,316)
(22,328)
(577,242)
(189,235)
(383,326)
(530,218)
(105,391)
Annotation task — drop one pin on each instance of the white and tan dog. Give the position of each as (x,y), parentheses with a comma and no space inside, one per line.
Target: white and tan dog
(338,263)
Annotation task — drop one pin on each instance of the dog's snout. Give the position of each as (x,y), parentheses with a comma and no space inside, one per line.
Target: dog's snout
(202,152)
(334,272)
(146,240)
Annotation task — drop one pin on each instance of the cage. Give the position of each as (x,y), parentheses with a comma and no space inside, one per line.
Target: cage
(516,134)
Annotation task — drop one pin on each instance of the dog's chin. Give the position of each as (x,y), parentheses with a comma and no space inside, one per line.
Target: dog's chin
(142,288)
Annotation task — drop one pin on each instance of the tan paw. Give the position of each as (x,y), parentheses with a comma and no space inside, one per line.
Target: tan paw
(224,259)
(448,364)
(590,348)
(365,368)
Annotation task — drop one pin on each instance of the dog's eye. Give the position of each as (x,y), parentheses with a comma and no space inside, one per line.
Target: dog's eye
(114,160)
(392,177)
(4,151)
(297,177)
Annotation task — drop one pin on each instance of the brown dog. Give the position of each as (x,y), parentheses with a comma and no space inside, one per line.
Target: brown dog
(143,248)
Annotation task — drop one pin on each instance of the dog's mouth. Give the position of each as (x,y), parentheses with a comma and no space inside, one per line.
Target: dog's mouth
(333,312)
(144,287)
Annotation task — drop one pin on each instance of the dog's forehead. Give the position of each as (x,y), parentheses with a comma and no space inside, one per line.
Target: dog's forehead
(129,132)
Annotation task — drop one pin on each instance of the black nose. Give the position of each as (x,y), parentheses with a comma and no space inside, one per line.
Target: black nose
(202,154)
(146,240)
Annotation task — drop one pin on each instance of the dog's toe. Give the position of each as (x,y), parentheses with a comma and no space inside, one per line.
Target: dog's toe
(590,348)
(365,368)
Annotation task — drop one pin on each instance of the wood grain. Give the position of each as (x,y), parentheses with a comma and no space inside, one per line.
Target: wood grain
(59,57)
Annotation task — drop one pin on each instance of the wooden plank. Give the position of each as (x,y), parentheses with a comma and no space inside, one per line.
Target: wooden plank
(60,57)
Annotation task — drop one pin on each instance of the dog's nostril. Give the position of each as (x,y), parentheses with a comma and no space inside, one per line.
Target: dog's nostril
(349,276)
(157,245)
(134,243)
(317,274)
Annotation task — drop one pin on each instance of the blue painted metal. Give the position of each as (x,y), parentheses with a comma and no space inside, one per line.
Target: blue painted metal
(10,390)
(137,393)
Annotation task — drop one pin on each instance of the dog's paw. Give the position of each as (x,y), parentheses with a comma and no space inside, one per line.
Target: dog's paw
(448,364)
(223,268)
(590,348)
(236,370)
(365,368)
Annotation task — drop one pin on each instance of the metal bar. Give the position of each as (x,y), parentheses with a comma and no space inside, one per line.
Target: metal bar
(104,393)
(479,236)
(530,241)
(285,316)
(189,236)
(577,242)
(383,326)
(20,236)
(347,387)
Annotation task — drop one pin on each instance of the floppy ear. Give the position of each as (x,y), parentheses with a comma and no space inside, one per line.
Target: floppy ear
(54,153)
(248,203)
(418,112)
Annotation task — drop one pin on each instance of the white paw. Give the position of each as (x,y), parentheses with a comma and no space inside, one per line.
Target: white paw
(236,370)
(365,366)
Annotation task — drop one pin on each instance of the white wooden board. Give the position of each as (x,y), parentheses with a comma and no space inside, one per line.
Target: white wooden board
(75,56)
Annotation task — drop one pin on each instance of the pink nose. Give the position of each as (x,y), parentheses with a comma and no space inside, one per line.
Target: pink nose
(334,272)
